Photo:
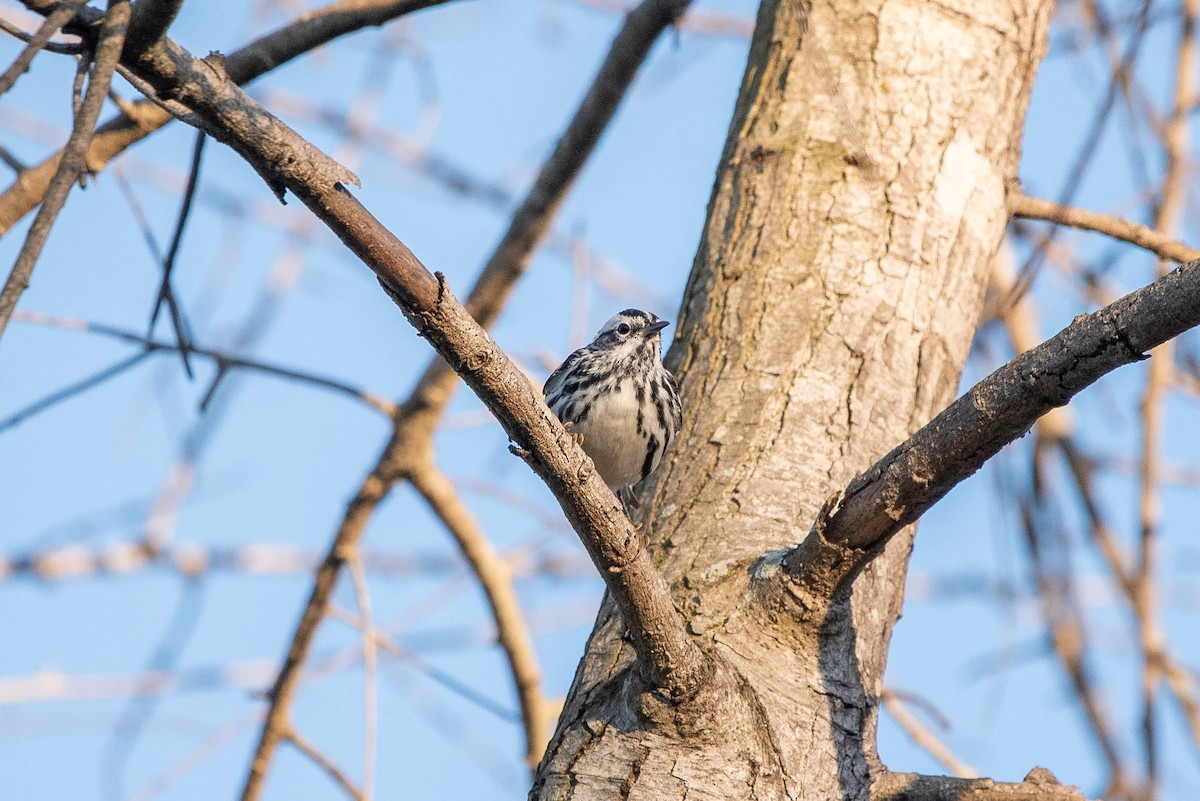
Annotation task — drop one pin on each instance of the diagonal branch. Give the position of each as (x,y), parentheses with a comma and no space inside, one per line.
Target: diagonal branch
(923,737)
(414,427)
(107,44)
(902,485)
(495,576)
(336,774)
(36,44)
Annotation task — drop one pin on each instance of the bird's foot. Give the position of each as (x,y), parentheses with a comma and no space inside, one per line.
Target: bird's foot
(628,499)
(575,435)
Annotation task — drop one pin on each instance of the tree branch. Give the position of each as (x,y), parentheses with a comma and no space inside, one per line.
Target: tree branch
(370,660)
(898,488)
(150,21)
(495,577)
(223,360)
(924,738)
(336,774)
(124,558)
(36,44)
(107,47)
(1039,785)
(1163,246)
(1167,216)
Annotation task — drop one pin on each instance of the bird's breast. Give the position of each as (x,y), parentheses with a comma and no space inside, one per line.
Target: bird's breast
(611,435)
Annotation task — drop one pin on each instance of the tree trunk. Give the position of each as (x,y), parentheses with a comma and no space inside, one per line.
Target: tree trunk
(860,196)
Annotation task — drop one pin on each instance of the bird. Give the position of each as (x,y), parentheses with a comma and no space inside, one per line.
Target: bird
(618,399)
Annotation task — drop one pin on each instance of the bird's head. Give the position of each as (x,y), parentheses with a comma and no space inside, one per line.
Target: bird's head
(629,331)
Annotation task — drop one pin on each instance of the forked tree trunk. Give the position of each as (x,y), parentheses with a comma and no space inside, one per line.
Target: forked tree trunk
(834,296)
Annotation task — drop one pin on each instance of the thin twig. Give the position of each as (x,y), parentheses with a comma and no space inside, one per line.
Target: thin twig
(182,329)
(166,292)
(192,759)
(11,161)
(71,390)
(222,359)
(1140,235)
(126,557)
(323,762)
(439,677)
(61,48)
(924,738)
(1181,682)
(370,660)
(36,43)
(1032,265)
(73,163)
(1068,636)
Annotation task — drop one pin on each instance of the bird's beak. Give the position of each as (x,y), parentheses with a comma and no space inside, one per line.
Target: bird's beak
(654,328)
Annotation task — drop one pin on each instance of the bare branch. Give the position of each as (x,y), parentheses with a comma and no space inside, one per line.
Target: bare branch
(108,51)
(61,48)
(704,23)
(495,577)
(224,361)
(370,658)
(1039,785)
(126,557)
(71,390)
(54,685)
(326,764)
(183,339)
(1068,639)
(150,21)
(924,738)
(1120,77)
(902,485)
(391,646)
(1154,241)
(189,761)
(36,43)
(166,292)
(11,161)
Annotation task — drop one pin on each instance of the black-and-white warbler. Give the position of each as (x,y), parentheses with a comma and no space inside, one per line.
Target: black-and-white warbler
(616,395)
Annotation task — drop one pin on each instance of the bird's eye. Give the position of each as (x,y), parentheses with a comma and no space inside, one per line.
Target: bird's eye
(623,329)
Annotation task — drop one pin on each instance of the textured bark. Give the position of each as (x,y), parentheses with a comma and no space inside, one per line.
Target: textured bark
(830,309)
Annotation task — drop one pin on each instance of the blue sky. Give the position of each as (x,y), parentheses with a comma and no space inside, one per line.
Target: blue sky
(277,461)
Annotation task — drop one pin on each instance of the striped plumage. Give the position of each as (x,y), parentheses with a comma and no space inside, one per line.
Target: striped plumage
(617,395)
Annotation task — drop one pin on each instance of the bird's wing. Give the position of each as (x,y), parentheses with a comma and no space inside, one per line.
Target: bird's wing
(554,382)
